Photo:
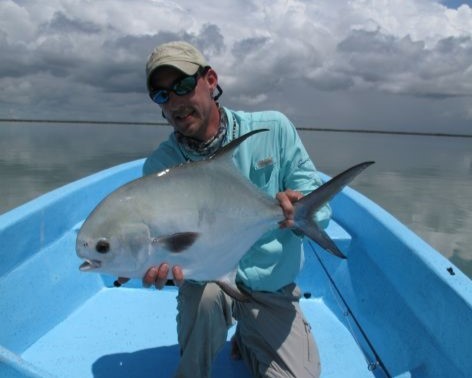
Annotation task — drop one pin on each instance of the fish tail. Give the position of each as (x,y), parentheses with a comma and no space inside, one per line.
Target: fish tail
(307,206)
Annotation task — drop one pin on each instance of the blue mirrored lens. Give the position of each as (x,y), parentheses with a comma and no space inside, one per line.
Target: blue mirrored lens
(184,86)
(160,97)
(180,88)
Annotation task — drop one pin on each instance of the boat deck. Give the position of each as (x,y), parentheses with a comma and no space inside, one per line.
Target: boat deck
(79,325)
(142,341)
(395,307)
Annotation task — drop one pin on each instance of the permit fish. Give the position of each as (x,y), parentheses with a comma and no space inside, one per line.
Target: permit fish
(203,216)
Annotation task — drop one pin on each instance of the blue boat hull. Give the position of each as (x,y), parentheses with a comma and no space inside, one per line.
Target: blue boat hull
(395,307)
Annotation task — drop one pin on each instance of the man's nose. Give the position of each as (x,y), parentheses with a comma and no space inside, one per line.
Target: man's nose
(173,99)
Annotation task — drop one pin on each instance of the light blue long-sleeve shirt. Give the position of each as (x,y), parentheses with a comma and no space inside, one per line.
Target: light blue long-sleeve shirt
(274,161)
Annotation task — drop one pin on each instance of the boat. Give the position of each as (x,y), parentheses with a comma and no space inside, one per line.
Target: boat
(394,308)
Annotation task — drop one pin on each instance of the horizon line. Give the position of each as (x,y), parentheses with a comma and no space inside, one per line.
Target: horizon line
(302,128)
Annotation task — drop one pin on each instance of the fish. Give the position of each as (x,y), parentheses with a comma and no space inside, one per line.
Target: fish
(202,215)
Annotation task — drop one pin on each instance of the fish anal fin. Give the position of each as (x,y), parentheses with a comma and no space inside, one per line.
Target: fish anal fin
(232,291)
(228,284)
(177,242)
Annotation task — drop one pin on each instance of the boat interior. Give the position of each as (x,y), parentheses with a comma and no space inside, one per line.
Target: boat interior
(60,322)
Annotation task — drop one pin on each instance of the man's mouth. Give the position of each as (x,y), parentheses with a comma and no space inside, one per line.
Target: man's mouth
(182,113)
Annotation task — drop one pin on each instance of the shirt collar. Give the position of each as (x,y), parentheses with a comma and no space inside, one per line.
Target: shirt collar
(194,147)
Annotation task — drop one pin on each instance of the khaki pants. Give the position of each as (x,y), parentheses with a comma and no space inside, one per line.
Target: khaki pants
(273,337)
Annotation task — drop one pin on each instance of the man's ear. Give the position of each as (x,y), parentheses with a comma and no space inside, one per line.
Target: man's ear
(212,79)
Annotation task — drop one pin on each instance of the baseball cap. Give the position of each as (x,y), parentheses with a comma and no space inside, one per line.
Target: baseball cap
(178,54)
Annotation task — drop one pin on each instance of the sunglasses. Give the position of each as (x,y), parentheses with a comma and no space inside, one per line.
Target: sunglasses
(181,87)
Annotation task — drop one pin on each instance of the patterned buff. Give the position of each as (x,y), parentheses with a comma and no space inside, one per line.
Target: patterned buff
(208,148)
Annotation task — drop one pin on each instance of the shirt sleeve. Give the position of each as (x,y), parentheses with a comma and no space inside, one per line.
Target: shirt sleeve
(165,156)
(297,169)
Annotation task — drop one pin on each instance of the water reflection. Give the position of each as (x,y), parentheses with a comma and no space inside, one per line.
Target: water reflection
(36,158)
(422,181)
(425,182)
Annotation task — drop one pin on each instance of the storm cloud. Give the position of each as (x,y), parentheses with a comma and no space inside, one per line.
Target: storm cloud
(360,64)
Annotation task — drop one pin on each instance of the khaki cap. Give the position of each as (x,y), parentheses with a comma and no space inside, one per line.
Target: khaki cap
(178,54)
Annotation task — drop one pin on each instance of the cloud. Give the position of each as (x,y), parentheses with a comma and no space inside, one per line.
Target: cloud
(61,59)
(372,59)
(61,23)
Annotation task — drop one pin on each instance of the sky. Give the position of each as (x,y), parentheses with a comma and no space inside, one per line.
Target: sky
(402,65)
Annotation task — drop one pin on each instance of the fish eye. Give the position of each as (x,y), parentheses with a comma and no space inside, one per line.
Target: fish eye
(102,246)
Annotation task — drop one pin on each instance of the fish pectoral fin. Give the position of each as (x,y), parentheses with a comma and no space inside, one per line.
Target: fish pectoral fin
(177,242)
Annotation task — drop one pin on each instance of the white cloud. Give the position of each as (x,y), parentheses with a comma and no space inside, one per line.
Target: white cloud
(61,59)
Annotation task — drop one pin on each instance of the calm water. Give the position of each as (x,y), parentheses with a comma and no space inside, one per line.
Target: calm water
(425,182)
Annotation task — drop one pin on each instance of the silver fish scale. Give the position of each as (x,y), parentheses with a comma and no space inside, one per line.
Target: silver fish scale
(209,197)
(203,216)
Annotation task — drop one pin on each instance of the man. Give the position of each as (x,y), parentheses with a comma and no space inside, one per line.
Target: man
(272,335)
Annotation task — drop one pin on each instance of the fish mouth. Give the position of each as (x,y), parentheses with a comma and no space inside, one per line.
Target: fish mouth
(90,264)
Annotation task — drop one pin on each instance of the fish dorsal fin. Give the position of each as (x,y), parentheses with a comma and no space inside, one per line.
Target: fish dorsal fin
(226,152)
(177,242)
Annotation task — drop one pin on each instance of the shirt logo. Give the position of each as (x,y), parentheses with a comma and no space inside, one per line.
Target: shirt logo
(265,162)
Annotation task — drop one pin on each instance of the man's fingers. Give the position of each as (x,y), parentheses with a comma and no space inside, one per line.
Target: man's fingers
(178,276)
(161,278)
(285,204)
(150,276)
(286,200)
(293,195)
(157,276)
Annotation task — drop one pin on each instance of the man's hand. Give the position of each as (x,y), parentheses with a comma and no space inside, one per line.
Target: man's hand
(157,276)
(286,200)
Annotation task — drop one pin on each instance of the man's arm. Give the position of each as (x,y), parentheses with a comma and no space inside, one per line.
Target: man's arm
(299,175)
